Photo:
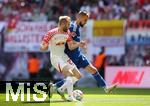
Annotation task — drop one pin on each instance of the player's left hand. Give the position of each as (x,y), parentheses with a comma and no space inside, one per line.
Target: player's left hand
(83,42)
(84,45)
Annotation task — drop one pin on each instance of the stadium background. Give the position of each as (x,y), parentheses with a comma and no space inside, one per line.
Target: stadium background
(121,27)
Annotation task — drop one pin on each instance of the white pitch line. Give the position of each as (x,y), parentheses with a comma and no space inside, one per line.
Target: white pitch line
(79,103)
(110,100)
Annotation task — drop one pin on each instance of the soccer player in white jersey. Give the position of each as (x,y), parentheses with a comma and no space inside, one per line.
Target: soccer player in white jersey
(55,39)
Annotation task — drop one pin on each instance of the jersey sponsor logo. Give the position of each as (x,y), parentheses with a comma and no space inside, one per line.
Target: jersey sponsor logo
(59,40)
(129,77)
(60,43)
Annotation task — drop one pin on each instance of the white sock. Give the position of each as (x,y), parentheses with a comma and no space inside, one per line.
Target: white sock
(69,85)
(70,81)
(74,79)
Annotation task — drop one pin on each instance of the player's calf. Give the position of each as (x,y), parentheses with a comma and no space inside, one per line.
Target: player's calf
(62,95)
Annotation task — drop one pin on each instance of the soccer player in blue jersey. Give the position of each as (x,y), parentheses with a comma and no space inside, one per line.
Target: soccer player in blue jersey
(78,57)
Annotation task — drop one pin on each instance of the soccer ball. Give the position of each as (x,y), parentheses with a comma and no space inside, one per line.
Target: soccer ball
(78,95)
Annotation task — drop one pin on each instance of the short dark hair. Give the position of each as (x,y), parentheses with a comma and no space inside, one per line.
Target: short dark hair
(83,13)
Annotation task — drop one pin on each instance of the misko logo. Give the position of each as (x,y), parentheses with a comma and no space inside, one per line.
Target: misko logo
(25,88)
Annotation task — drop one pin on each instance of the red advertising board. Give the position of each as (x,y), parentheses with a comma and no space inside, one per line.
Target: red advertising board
(128,77)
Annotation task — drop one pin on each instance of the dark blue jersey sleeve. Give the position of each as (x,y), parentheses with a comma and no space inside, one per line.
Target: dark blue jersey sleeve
(71,28)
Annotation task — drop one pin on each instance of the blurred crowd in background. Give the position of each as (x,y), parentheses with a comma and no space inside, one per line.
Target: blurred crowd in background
(46,10)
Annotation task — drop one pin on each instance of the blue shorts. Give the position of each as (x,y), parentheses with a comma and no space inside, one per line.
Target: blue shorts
(81,62)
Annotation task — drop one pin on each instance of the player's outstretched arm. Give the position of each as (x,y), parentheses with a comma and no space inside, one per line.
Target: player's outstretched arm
(43,46)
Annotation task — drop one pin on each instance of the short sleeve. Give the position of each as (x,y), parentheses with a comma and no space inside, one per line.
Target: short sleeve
(47,37)
(73,27)
(69,36)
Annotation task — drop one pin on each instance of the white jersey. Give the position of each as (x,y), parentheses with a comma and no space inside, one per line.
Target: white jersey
(56,42)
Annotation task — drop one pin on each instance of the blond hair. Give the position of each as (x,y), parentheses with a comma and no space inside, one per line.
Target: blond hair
(63,19)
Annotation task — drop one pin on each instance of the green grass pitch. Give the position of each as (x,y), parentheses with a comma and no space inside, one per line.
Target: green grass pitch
(92,97)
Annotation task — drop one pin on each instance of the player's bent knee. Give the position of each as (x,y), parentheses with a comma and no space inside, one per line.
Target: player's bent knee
(77,73)
(79,76)
(66,71)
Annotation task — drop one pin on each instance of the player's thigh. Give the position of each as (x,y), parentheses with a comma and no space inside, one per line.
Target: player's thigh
(73,67)
(61,66)
(70,70)
(77,73)
(91,69)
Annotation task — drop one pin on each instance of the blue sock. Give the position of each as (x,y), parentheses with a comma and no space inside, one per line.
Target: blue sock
(100,81)
(60,83)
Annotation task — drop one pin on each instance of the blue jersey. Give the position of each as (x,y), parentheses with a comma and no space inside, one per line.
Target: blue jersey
(76,55)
